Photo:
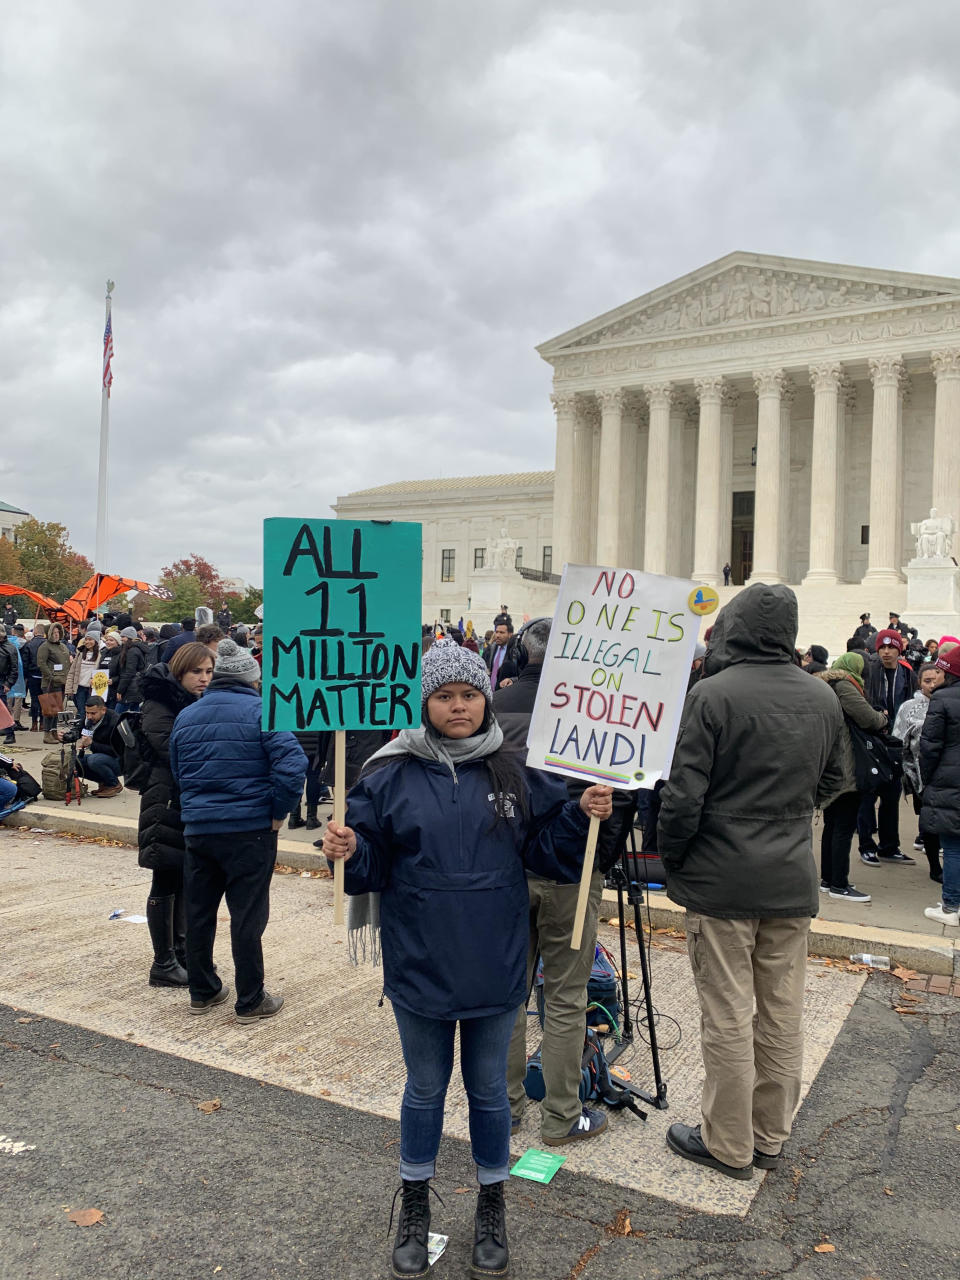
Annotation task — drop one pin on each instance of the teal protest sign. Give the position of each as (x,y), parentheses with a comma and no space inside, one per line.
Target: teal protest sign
(341,624)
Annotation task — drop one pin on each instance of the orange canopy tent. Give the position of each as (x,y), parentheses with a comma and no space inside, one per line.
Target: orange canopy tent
(96,591)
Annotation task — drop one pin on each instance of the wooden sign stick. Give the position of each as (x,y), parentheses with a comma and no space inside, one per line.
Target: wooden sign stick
(339,815)
(586,875)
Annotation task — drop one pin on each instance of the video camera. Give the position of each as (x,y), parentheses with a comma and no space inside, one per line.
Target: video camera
(69,727)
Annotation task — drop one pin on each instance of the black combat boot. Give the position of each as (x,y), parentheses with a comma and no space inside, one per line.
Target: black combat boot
(490,1254)
(410,1247)
(295,820)
(312,821)
(165,970)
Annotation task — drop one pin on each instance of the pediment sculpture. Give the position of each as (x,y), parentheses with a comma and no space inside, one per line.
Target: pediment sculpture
(744,295)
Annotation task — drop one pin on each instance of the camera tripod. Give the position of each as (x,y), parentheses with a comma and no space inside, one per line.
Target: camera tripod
(629,887)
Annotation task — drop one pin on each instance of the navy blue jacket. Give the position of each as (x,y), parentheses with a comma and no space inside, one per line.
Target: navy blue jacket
(232,776)
(173,644)
(454,911)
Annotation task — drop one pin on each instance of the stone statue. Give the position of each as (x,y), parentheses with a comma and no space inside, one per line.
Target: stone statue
(934,536)
(503,552)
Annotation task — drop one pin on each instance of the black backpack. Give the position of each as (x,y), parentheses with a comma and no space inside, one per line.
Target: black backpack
(598,1081)
(137,755)
(877,759)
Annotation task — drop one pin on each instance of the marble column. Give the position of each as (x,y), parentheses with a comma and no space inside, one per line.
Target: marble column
(787,397)
(825,475)
(885,552)
(565,407)
(629,465)
(731,397)
(768,511)
(706,552)
(656,534)
(593,412)
(611,478)
(946,434)
(579,544)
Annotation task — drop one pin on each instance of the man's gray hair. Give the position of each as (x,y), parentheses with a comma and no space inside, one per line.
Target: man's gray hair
(535,640)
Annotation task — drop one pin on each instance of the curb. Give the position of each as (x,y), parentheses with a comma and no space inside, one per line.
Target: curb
(925,953)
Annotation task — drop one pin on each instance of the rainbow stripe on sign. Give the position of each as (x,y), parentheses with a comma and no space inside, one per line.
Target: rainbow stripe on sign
(576,767)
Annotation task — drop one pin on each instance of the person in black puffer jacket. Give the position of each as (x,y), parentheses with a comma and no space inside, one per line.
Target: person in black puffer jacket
(940,774)
(130,669)
(166,691)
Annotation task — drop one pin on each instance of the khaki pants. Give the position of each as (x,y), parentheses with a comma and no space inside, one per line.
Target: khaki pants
(565,976)
(752,1061)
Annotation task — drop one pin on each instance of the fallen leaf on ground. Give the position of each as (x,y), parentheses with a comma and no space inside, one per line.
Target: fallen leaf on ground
(824,1248)
(22,1020)
(213,1104)
(621,1224)
(901,1008)
(887,1191)
(908,995)
(460,1191)
(86,1217)
(904,974)
(216,1269)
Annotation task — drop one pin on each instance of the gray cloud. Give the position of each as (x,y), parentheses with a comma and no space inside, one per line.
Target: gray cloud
(339,230)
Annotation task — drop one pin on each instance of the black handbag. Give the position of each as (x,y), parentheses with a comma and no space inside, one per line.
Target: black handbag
(877,758)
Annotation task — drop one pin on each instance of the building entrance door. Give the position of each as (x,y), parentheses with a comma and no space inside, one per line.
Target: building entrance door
(742,559)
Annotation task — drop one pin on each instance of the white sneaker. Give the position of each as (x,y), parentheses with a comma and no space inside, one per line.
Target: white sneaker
(942,917)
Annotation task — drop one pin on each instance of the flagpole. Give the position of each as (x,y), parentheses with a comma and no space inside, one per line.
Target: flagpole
(100,560)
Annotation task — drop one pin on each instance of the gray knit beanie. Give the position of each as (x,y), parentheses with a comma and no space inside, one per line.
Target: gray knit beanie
(129,633)
(445,662)
(240,664)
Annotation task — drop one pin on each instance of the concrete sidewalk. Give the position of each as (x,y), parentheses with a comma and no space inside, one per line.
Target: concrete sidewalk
(333,1039)
(893,924)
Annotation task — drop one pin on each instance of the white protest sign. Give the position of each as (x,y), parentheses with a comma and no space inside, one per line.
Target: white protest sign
(615,675)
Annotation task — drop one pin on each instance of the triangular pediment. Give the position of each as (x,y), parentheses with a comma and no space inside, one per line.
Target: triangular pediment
(747,289)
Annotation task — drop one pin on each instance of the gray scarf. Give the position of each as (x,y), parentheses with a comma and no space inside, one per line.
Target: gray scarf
(363,910)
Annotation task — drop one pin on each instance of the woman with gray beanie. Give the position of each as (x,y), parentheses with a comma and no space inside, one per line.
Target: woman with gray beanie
(442,826)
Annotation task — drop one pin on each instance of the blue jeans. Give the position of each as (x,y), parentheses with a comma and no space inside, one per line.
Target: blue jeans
(99,767)
(950,896)
(428,1054)
(80,701)
(121,707)
(8,792)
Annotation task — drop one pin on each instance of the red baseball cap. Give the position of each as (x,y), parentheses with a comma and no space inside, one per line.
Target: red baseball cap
(893,638)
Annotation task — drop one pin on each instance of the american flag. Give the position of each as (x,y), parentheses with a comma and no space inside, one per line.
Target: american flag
(108,354)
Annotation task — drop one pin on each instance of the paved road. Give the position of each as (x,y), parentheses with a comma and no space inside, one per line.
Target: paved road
(277,1184)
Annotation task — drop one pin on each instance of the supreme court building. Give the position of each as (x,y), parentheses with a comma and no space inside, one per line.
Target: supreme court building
(792,418)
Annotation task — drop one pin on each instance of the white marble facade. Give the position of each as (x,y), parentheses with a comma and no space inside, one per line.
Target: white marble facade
(819,395)
(464,516)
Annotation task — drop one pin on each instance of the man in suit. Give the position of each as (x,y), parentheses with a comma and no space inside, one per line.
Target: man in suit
(498,655)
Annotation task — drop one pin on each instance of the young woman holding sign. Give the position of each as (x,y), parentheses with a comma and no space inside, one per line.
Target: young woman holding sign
(443,824)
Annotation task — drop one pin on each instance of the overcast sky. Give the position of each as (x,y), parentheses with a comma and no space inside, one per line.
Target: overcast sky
(338,227)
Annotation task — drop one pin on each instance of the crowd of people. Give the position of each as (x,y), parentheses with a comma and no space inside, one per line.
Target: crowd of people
(462,864)
(884,682)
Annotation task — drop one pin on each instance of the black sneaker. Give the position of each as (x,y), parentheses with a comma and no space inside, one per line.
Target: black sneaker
(491,1256)
(409,1260)
(824,886)
(763,1159)
(898,856)
(850,894)
(588,1125)
(869,857)
(267,1007)
(204,1006)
